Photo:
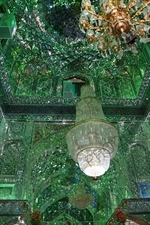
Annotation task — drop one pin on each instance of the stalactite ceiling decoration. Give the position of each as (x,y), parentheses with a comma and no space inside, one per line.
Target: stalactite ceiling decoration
(42,69)
(48,47)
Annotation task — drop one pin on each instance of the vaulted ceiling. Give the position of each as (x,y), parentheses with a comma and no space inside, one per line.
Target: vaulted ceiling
(42,69)
(49,47)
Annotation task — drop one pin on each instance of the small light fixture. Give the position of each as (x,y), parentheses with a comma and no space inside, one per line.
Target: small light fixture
(93,141)
(80,198)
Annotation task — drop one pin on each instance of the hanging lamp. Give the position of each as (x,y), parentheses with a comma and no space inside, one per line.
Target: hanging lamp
(93,141)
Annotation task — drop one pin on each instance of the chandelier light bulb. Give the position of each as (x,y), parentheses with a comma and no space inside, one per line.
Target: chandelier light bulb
(93,141)
(94,162)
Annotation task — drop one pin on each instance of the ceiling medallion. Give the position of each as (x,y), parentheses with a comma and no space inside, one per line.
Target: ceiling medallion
(117,25)
(93,141)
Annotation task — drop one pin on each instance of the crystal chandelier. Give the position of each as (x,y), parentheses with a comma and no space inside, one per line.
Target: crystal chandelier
(93,141)
(117,25)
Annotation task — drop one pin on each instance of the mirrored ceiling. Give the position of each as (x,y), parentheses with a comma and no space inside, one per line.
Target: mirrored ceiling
(42,69)
(50,56)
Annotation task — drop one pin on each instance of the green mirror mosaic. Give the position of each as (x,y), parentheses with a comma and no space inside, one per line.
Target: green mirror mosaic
(41,71)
